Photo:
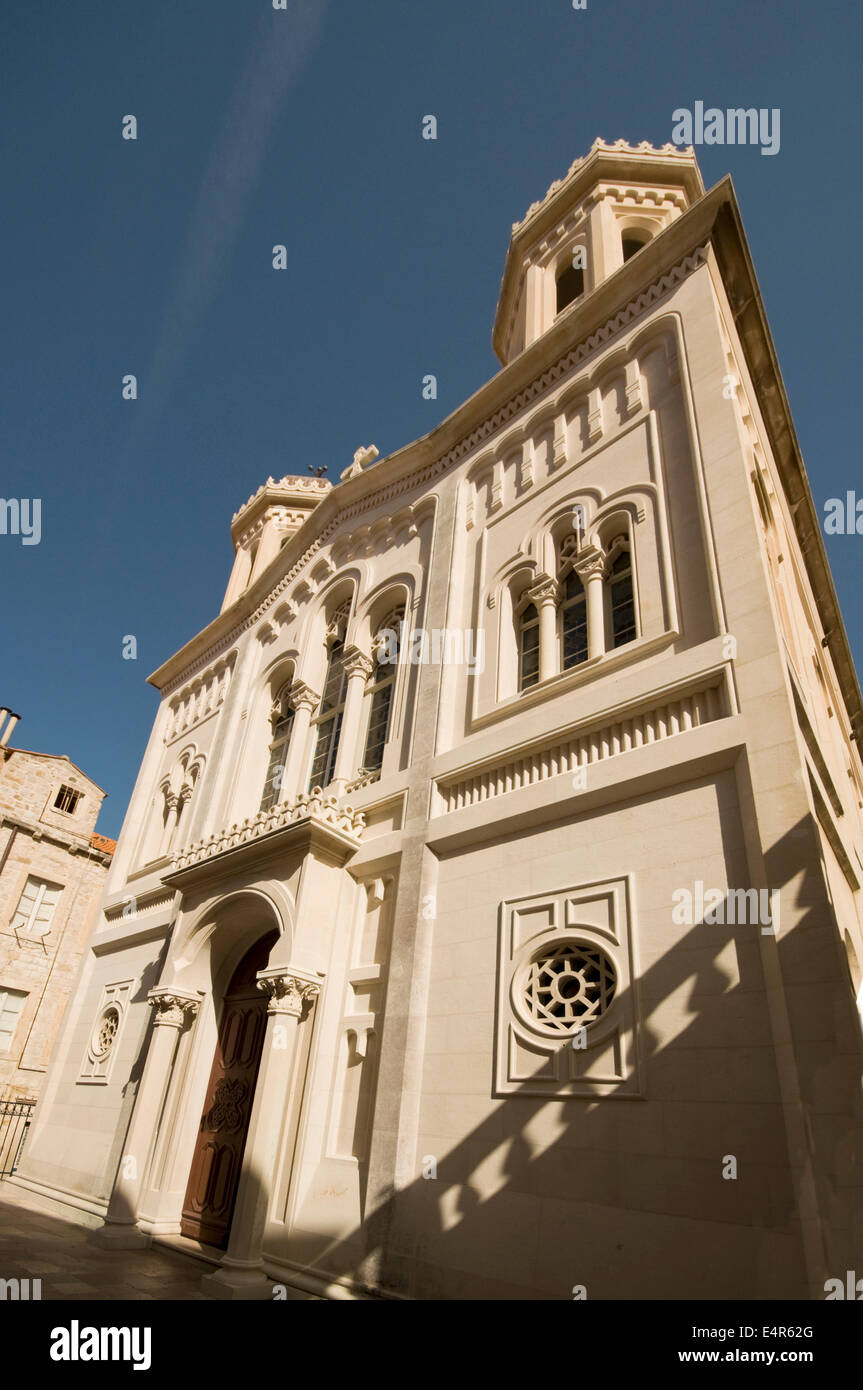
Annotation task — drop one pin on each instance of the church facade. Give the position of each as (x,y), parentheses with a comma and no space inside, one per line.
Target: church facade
(486,918)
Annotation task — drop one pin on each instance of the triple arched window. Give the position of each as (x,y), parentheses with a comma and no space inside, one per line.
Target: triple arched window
(587,610)
(315,740)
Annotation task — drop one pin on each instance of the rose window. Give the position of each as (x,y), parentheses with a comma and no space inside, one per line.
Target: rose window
(106,1032)
(568,986)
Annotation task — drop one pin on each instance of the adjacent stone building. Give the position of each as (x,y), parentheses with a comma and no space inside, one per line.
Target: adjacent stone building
(52,873)
(486,918)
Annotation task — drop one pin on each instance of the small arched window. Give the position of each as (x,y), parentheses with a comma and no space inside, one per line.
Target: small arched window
(282,719)
(387,646)
(632,242)
(573,622)
(528,646)
(331,712)
(570,286)
(621,595)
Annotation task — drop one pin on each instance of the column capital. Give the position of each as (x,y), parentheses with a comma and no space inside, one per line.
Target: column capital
(357,663)
(589,563)
(172,1005)
(287,992)
(302,696)
(544,590)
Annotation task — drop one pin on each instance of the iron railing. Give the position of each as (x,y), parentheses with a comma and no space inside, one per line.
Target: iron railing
(14,1123)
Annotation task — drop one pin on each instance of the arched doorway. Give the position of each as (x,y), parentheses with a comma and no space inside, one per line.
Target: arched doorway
(218,1157)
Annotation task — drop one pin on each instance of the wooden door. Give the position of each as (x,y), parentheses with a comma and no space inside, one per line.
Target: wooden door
(218,1158)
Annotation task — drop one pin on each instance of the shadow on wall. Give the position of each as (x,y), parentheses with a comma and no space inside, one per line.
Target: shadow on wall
(633,1199)
(629,1200)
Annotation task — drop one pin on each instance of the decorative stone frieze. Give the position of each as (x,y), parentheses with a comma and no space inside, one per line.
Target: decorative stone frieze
(199,698)
(314,806)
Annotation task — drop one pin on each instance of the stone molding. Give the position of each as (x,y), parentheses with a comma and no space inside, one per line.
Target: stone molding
(581,747)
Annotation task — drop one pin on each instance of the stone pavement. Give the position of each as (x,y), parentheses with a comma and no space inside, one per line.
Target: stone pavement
(35,1244)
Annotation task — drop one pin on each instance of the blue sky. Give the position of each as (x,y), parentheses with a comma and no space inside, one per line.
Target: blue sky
(303,127)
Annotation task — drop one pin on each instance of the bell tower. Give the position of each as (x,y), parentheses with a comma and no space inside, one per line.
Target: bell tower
(612,202)
(261,527)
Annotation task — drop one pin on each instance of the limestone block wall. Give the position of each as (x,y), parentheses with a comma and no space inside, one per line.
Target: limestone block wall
(534,1195)
(29,783)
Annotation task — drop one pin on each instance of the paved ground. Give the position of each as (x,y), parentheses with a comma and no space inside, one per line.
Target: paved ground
(35,1244)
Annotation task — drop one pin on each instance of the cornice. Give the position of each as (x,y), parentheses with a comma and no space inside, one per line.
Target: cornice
(584,169)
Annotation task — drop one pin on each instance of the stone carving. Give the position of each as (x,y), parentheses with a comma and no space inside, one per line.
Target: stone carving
(361,458)
(315,806)
(287,993)
(545,590)
(356,663)
(227,1111)
(172,1006)
(591,561)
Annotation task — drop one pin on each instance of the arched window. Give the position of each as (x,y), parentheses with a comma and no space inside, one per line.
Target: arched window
(621,595)
(528,646)
(573,622)
(329,720)
(632,241)
(570,285)
(387,646)
(282,719)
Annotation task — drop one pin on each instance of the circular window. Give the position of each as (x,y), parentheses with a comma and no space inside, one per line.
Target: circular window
(569,985)
(106,1031)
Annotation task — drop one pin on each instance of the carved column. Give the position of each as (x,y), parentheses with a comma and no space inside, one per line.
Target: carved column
(545,594)
(358,667)
(241,1274)
(305,701)
(173,1007)
(590,568)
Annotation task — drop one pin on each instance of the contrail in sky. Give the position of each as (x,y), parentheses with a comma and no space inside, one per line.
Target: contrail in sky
(282,45)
